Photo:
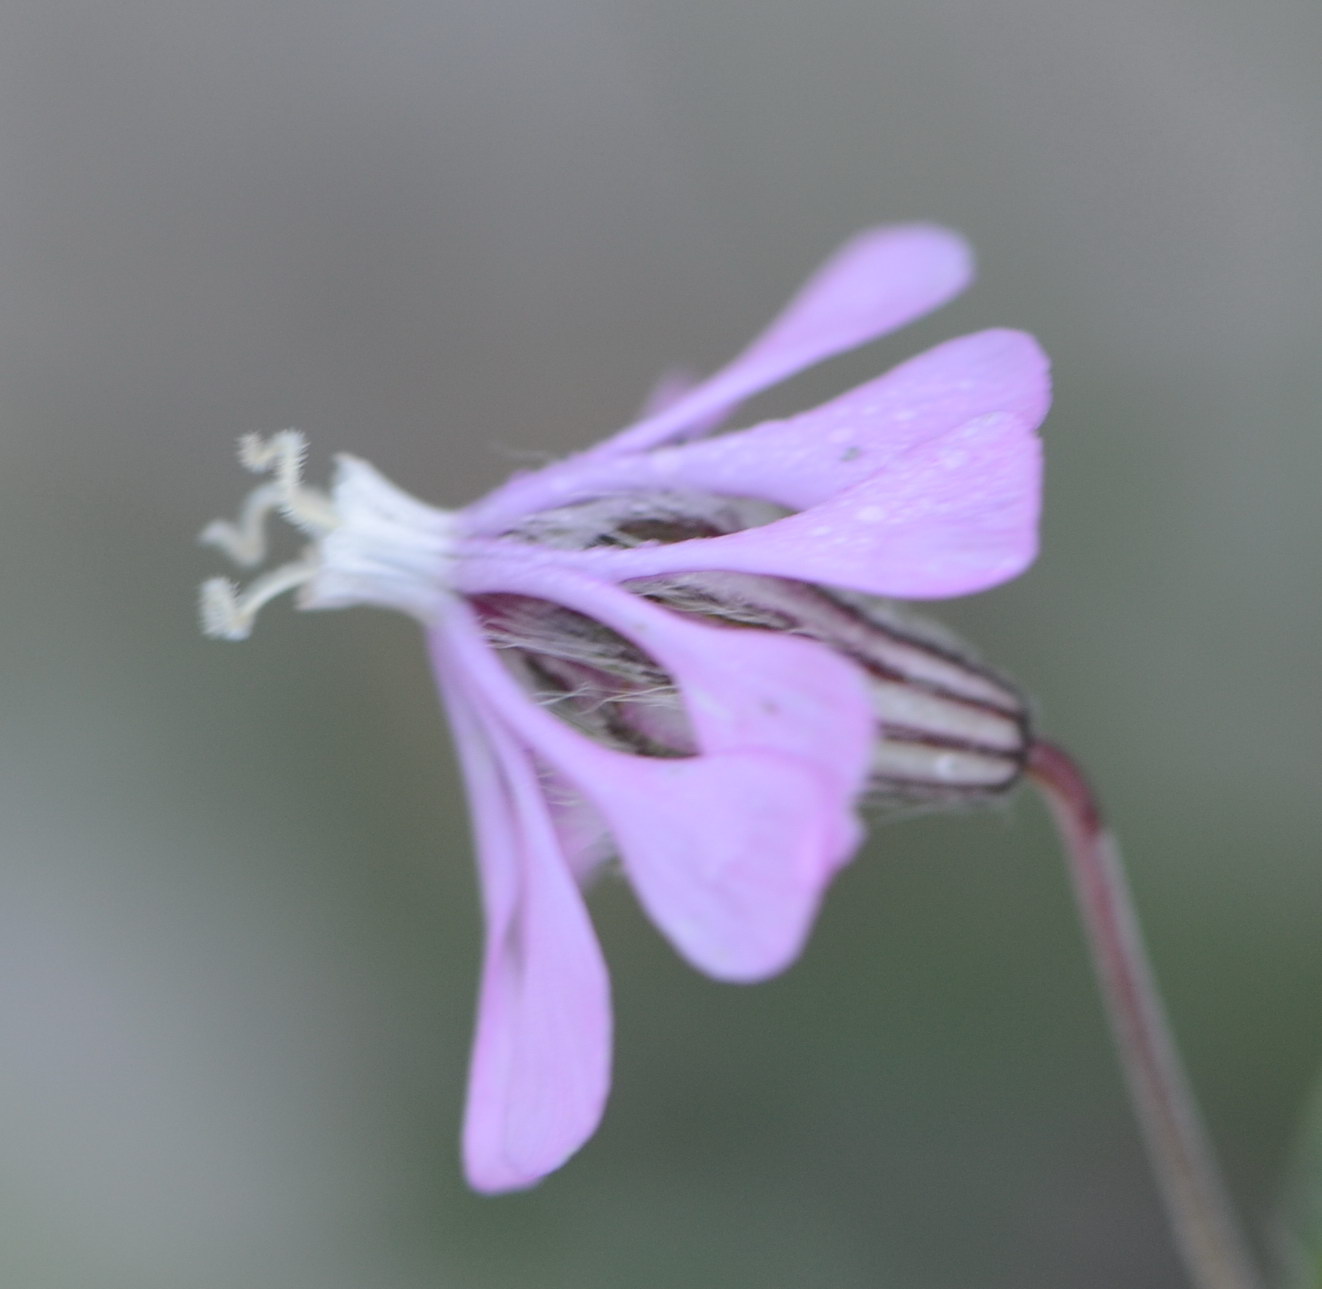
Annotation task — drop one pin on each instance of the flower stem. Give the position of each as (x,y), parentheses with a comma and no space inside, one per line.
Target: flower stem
(1198,1207)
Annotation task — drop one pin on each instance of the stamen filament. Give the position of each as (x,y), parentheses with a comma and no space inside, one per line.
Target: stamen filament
(244,539)
(281,456)
(1198,1206)
(228,612)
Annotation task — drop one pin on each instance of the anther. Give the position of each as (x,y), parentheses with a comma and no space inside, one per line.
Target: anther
(371,542)
(308,509)
(282,455)
(227,612)
(244,540)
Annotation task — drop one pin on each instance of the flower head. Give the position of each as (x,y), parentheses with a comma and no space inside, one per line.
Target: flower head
(673,649)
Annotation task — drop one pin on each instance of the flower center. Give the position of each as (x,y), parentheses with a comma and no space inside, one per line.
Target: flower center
(371,543)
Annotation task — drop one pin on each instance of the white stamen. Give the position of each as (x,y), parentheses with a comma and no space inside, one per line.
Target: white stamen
(281,456)
(244,540)
(309,509)
(228,612)
(373,543)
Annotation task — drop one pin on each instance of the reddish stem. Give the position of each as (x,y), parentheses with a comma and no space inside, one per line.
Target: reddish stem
(1201,1216)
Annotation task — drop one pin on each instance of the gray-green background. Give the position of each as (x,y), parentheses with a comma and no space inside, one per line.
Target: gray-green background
(238,931)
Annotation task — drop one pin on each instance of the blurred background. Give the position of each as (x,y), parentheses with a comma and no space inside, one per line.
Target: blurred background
(238,924)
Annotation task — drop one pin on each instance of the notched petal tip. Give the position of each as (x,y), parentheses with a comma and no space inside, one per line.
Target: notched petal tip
(540,1069)
(950,516)
(876,282)
(734,877)
(939,257)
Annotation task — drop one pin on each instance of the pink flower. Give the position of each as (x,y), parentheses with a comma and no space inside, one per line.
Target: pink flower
(670,649)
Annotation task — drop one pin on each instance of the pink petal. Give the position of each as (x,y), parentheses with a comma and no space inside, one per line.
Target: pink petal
(948,517)
(742,689)
(582,834)
(808,458)
(730,852)
(540,1068)
(876,282)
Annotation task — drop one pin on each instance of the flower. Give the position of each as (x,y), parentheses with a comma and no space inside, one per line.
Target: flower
(672,648)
